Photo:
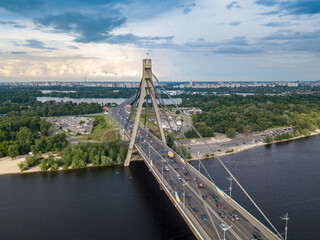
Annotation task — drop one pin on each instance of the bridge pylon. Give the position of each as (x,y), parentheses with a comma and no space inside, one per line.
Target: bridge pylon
(146,89)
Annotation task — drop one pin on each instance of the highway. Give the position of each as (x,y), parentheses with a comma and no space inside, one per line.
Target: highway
(199,203)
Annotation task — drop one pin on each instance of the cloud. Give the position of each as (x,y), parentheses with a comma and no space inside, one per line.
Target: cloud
(88,28)
(73,47)
(276,24)
(186,10)
(21,5)
(32,43)
(7,22)
(232,5)
(15,52)
(19,26)
(234,23)
(293,7)
(238,50)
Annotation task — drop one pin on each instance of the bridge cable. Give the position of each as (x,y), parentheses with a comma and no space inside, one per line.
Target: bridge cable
(184,159)
(223,164)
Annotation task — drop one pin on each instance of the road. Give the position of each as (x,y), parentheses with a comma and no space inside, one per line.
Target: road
(194,200)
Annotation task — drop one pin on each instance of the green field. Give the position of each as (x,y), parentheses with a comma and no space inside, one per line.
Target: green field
(103,130)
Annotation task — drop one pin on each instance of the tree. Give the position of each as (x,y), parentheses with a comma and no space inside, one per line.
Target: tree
(25,139)
(268,139)
(96,161)
(231,133)
(13,150)
(178,112)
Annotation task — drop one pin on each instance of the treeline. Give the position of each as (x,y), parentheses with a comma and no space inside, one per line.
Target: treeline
(79,156)
(49,108)
(254,113)
(17,134)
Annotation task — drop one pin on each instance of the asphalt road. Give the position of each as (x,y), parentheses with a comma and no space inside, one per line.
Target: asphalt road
(197,200)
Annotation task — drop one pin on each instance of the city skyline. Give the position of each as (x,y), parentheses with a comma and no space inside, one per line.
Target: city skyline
(256,40)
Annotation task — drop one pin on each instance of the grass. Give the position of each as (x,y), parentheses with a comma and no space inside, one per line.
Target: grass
(103,129)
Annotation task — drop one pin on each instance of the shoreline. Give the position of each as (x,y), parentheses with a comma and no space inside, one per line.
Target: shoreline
(238,149)
(10,166)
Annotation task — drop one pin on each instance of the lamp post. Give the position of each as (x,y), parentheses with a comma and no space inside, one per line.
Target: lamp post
(199,160)
(286,218)
(230,187)
(225,228)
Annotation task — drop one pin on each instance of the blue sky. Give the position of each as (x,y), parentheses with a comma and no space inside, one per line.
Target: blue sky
(204,40)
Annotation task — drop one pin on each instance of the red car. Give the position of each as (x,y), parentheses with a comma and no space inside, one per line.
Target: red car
(148,138)
(218,205)
(200,185)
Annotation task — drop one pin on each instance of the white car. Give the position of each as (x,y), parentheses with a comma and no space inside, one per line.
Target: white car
(179,177)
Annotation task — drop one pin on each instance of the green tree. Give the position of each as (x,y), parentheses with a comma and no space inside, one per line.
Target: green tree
(13,151)
(231,133)
(268,139)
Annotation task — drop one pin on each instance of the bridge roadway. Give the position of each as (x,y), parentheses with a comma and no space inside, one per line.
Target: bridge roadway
(190,197)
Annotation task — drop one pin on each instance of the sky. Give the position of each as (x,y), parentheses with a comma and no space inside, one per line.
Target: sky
(188,40)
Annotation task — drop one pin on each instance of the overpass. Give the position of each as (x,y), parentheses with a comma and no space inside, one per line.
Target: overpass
(208,211)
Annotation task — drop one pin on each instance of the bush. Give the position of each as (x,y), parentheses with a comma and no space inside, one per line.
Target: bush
(231,133)
(306,132)
(268,139)
(230,151)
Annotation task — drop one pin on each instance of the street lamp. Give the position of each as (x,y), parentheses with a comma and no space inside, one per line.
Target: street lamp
(225,228)
(230,187)
(286,218)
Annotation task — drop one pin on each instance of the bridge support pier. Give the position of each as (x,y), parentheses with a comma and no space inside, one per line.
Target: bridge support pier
(146,89)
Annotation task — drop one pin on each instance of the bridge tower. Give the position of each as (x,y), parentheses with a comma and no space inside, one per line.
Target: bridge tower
(146,89)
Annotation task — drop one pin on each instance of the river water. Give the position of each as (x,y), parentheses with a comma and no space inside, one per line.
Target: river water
(98,203)
(98,100)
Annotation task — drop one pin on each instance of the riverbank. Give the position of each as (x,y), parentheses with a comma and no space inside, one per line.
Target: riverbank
(237,149)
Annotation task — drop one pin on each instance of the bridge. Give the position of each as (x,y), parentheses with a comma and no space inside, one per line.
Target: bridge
(209,212)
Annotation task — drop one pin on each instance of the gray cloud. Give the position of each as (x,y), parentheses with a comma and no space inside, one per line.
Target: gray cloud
(88,28)
(276,24)
(16,52)
(32,43)
(73,47)
(235,23)
(19,26)
(233,4)
(238,50)
(186,10)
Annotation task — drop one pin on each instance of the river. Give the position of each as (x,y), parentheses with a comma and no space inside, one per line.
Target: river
(98,203)
(98,100)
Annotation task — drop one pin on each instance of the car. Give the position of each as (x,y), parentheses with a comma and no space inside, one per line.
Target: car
(166,168)
(200,185)
(179,177)
(215,198)
(218,205)
(236,217)
(194,209)
(204,217)
(148,138)
(187,180)
(183,168)
(231,218)
(175,168)
(204,196)
(223,226)
(222,214)
(186,173)
(256,235)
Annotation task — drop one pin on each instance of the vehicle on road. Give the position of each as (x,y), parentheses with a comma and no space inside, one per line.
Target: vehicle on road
(204,196)
(215,198)
(256,235)
(200,185)
(236,217)
(231,218)
(223,226)
(186,173)
(179,177)
(222,214)
(218,205)
(166,168)
(170,154)
(204,217)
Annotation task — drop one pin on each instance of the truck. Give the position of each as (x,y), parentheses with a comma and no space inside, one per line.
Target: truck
(170,154)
